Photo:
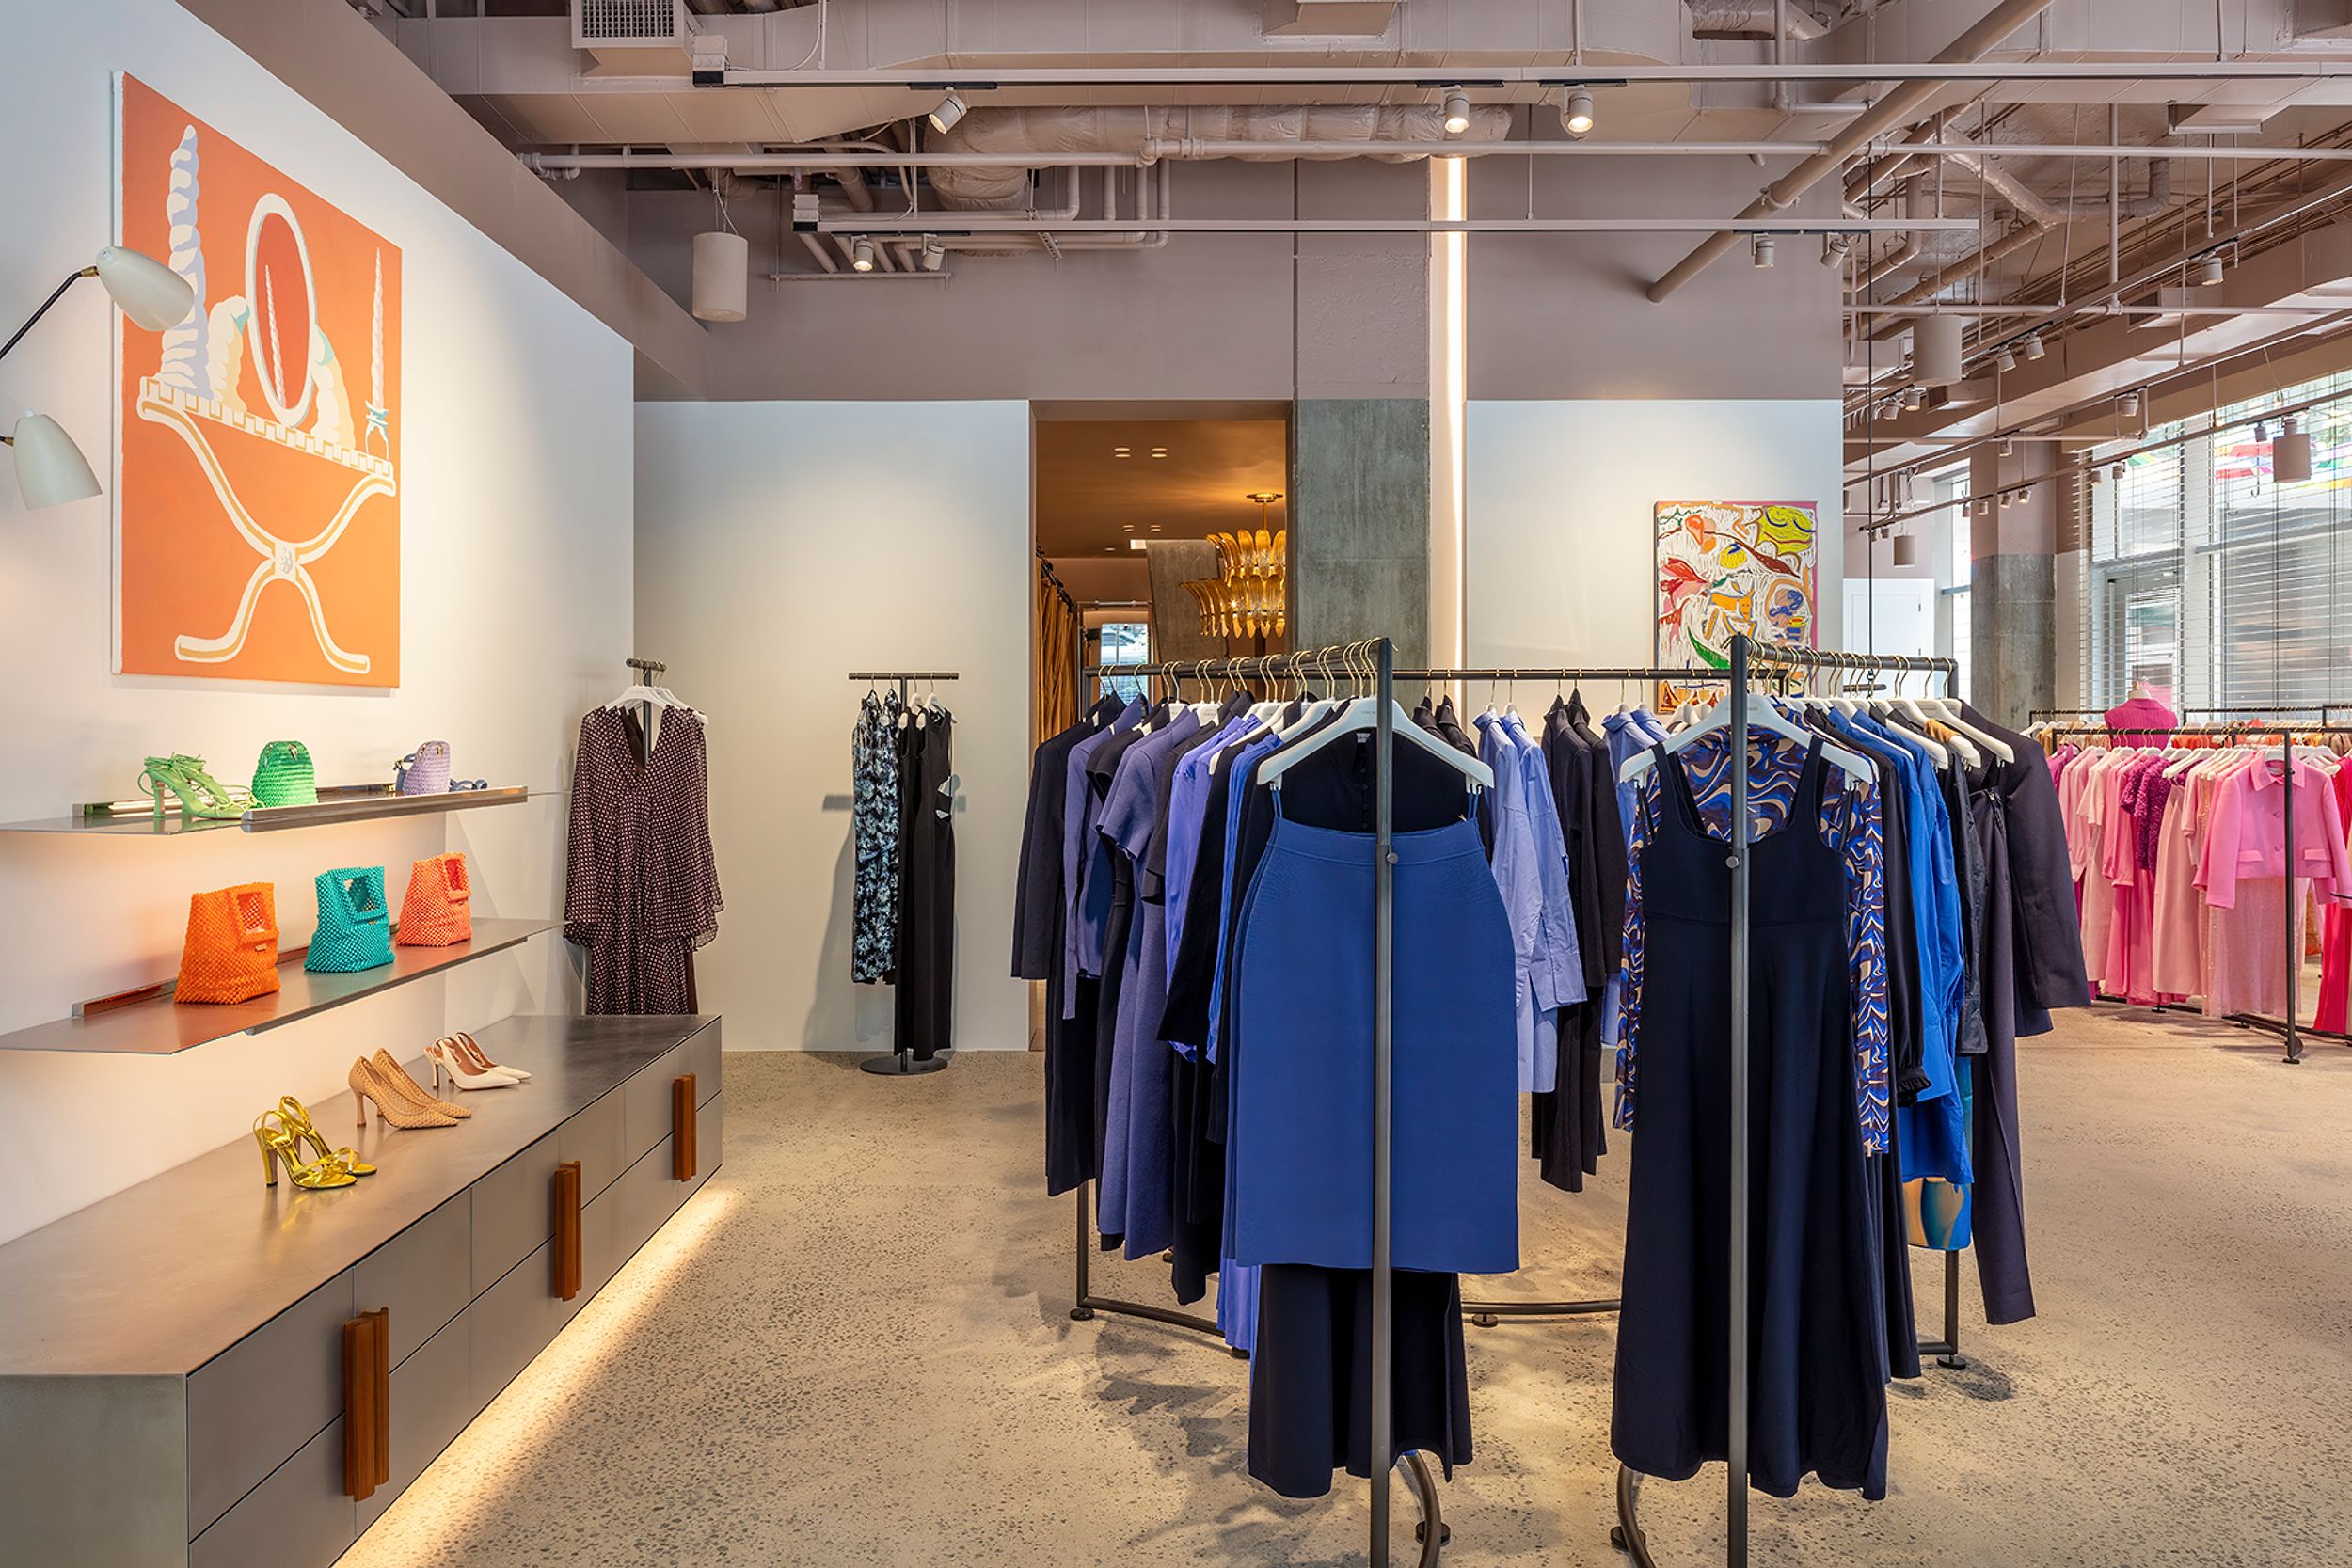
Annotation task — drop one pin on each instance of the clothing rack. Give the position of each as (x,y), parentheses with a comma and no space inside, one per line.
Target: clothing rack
(1746,654)
(901,1063)
(2290,1027)
(1373,662)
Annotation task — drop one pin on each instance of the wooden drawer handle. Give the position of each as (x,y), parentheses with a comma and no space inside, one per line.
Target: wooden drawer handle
(367,1403)
(682,1166)
(567,1230)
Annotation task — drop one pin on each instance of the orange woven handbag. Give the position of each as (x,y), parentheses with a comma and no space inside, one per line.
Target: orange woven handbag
(437,911)
(231,951)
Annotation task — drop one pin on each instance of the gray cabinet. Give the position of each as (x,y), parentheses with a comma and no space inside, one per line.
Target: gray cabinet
(174,1366)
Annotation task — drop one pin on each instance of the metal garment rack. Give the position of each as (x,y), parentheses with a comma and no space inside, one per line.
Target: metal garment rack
(2290,1027)
(1373,662)
(901,1063)
(1746,656)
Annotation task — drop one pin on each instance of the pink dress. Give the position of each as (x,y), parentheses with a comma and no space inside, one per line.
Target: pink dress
(2095,805)
(2178,921)
(2335,937)
(2244,872)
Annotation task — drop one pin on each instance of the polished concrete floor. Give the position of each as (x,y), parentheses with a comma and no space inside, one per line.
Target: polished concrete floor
(853,1348)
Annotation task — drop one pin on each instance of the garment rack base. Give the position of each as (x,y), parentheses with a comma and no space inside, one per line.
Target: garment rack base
(904,1065)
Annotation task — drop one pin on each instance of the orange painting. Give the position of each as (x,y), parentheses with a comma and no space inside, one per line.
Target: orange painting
(257,489)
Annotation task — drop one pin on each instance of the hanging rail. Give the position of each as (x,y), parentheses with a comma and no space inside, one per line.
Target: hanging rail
(1372,660)
(1627,1536)
(2290,1027)
(900,1063)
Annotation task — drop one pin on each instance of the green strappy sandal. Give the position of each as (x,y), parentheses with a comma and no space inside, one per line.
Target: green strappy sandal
(198,793)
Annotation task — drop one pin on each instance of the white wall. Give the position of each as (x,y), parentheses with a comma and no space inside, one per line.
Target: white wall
(1562,557)
(515,545)
(780,545)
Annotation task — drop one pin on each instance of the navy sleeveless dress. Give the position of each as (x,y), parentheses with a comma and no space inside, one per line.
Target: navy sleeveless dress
(1817,1346)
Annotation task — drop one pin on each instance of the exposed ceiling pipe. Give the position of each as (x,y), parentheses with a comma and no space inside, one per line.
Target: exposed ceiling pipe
(815,243)
(1872,173)
(1401,132)
(2031,205)
(1894,260)
(854,188)
(1895,108)
(1748,19)
(1150,203)
(1936,282)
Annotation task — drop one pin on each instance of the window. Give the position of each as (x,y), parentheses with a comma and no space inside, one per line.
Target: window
(2208,578)
(1125,642)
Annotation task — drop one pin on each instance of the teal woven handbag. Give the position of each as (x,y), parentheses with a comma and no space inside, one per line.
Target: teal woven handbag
(282,775)
(355,927)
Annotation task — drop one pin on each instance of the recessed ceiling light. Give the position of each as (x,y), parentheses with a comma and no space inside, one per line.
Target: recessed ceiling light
(1159,451)
(1155,527)
(1129,526)
(1120,451)
(1138,544)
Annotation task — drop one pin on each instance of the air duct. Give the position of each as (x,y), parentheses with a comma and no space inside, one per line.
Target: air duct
(1747,19)
(1150,134)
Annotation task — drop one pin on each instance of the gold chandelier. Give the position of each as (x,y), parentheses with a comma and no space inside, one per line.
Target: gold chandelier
(1249,595)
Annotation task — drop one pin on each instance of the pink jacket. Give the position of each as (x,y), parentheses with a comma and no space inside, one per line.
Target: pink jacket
(2249,832)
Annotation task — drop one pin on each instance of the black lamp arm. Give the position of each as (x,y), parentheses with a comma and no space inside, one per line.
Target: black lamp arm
(71,278)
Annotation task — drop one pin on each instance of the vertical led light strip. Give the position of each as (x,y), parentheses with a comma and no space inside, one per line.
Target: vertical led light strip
(1449,389)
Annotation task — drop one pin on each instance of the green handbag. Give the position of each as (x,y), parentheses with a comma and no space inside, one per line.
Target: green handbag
(355,924)
(282,776)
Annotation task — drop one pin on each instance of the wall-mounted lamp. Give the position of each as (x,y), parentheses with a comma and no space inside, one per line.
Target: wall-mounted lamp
(50,468)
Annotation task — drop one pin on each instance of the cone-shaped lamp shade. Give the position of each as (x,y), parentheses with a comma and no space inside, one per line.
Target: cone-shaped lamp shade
(150,292)
(50,468)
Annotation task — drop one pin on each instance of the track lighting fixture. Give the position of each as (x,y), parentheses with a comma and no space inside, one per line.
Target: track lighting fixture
(934,254)
(2031,348)
(951,109)
(1887,409)
(862,255)
(1914,396)
(1576,113)
(2209,268)
(2025,495)
(2128,405)
(2009,447)
(1456,111)
(1761,251)
(1834,249)
(2003,360)
(2004,498)
(2116,473)
(2262,431)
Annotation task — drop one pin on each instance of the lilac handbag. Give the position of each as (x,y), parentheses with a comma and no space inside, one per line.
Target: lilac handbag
(424,770)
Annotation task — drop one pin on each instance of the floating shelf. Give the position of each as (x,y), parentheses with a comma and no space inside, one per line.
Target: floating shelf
(157,1026)
(336,803)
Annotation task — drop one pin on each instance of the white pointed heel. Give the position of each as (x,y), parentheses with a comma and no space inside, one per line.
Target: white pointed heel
(448,1061)
(473,1054)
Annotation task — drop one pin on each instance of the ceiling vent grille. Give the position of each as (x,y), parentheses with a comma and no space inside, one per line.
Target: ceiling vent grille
(627,23)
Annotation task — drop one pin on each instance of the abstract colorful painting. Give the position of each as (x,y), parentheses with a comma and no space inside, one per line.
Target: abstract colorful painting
(256,479)
(1725,567)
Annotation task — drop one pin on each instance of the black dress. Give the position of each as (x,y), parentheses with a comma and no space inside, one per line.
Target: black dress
(925,1001)
(1039,919)
(1817,1342)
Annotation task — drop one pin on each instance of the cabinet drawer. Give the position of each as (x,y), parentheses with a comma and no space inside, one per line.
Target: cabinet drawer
(514,1320)
(299,1518)
(432,1402)
(646,1095)
(256,1403)
(423,1275)
(594,1138)
(514,1210)
(605,1243)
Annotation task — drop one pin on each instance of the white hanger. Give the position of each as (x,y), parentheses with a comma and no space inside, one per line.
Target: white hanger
(1948,709)
(1363,714)
(1761,716)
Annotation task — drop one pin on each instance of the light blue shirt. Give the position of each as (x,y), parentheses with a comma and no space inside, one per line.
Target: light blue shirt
(1560,978)
(1520,880)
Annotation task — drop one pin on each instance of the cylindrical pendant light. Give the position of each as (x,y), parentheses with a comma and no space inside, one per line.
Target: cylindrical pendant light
(2291,453)
(1906,551)
(1935,350)
(722,270)
(50,468)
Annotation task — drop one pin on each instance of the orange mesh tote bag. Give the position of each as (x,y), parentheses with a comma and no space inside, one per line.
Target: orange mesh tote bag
(231,951)
(439,910)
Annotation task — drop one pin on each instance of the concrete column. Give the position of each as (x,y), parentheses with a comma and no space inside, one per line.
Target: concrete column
(1360,475)
(1359,522)
(2014,584)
